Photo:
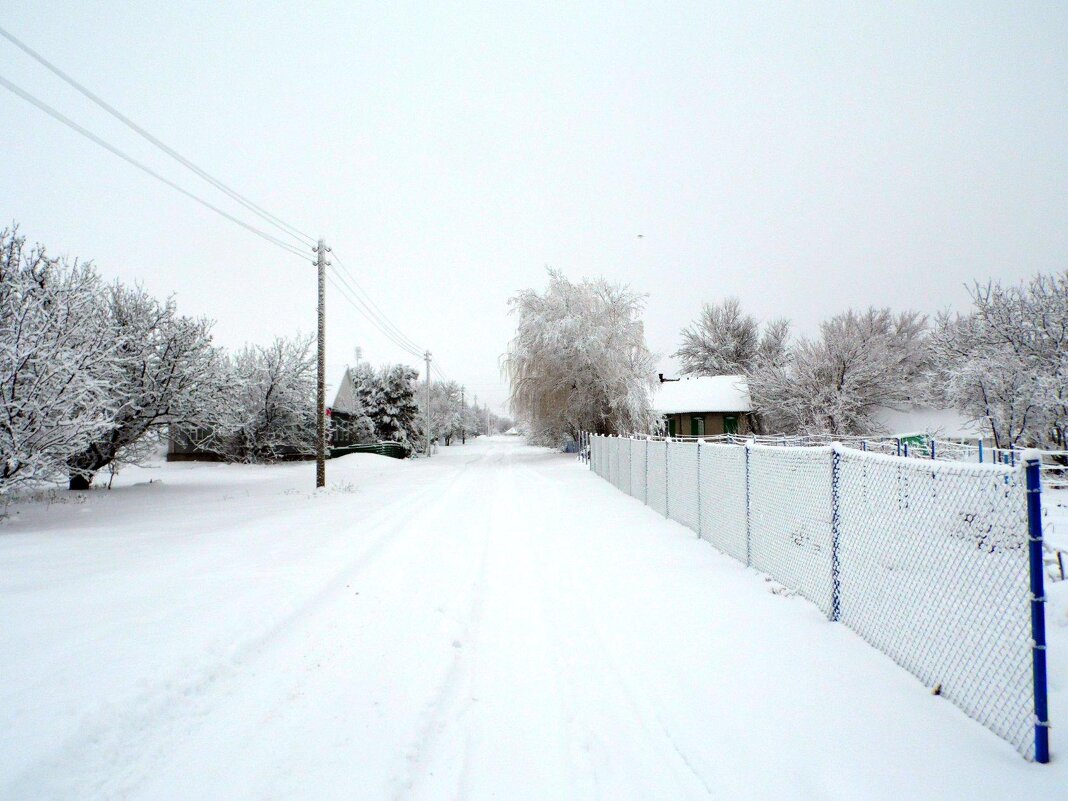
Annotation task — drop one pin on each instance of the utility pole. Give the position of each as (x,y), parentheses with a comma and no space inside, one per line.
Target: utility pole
(320,395)
(427,357)
(463,418)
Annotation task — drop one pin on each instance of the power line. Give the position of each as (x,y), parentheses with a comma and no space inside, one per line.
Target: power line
(282,225)
(356,296)
(335,281)
(377,310)
(47,109)
(379,322)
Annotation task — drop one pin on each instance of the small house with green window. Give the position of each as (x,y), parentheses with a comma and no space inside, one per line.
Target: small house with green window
(704,406)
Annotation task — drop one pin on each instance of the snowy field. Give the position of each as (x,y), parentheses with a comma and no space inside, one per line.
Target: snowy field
(495,622)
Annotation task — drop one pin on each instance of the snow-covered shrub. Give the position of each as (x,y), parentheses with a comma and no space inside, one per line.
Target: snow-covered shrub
(579,360)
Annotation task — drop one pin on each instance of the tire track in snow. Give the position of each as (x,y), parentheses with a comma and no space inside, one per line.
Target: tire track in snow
(101,749)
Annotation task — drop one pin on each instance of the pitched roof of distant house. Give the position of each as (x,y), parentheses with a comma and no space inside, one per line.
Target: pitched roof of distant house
(345,400)
(720,393)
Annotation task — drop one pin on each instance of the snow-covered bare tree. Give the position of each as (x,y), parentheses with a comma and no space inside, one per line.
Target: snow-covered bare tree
(834,384)
(982,379)
(579,360)
(55,354)
(1006,362)
(165,371)
(271,414)
(446,419)
(723,341)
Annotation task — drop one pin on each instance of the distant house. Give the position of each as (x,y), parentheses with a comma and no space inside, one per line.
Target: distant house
(704,406)
(342,414)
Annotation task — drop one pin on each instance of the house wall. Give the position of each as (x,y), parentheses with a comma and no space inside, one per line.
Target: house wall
(713,422)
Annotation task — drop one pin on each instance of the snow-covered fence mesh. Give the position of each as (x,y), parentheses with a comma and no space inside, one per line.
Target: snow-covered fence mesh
(613,461)
(932,562)
(934,573)
(656,476)
(637,468)
(723,499)
(623,472)
(790,518)
(683,486)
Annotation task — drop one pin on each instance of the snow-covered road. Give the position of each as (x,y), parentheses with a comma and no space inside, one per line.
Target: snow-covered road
(495,622)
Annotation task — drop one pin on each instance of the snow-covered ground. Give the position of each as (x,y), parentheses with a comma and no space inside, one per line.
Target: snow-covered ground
(495,622)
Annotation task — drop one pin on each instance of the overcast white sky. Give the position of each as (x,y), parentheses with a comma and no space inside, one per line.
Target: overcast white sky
(804,157)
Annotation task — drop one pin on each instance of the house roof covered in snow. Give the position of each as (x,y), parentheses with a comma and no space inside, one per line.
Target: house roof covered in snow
(721,393)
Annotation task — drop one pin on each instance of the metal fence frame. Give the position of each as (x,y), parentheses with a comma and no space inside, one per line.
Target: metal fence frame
(804,516)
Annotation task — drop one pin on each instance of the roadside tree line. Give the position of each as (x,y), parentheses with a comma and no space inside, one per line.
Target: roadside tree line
(94,373)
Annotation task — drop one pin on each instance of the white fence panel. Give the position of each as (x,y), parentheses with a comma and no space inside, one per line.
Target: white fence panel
(934,573)
(682,483)
(790,518)
(723,511)
(656,476)
(637,468)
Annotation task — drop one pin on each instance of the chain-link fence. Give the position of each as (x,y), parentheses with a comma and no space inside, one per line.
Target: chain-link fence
(935,563)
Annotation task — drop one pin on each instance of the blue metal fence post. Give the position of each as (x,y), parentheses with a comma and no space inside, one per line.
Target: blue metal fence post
(899,446)
(980,451)
(1038,603)
(699,489)
(748,525)
(932,448)
(836,579)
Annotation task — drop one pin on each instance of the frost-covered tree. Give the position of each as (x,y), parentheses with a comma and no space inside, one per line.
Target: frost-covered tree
(724,340)
(1006,361)
(394,409)
(446,416)
(271,411)
(834,384)
(579,360)
(55,354)
(165,371)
